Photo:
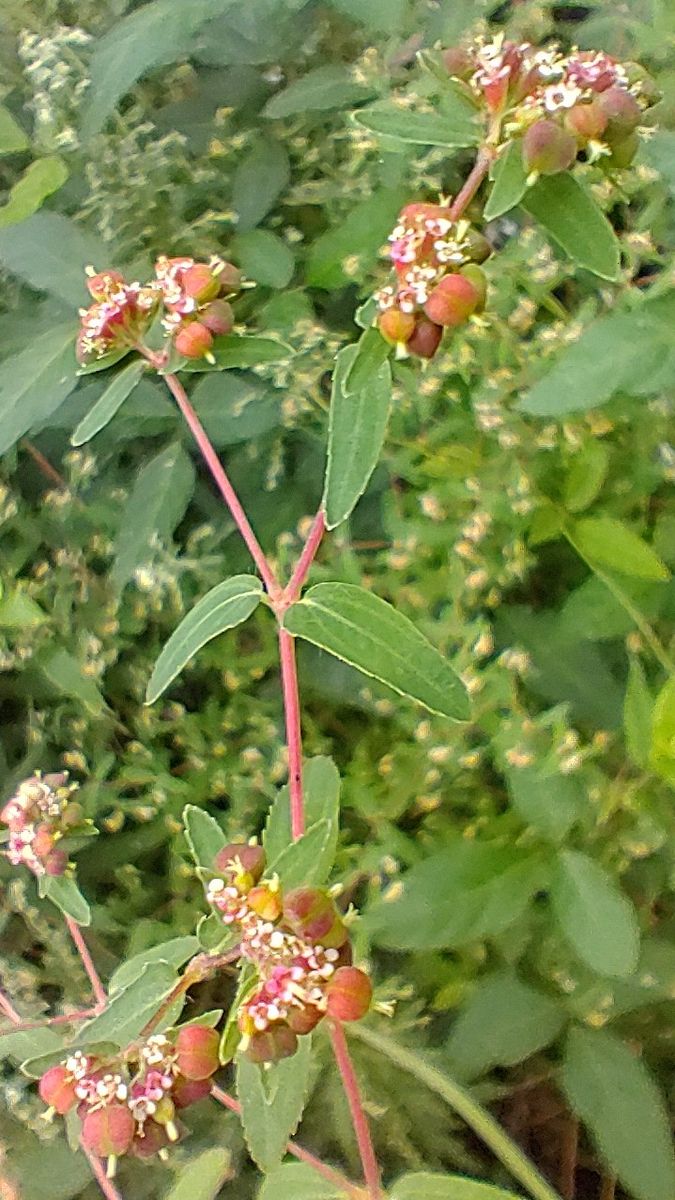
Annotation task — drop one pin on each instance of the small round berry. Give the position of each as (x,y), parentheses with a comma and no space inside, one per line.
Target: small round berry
(453,301)
(241,855)
(265,902)
(193,340)
(56,862)
(311,915)
(478,246)
(426,339)
(153,1138)
(458,62)
(72,815)
(304,1020)
(218,317)
(108,1132)
(548,148)
(622,111)
(188,1091)
(43,841)
(104,282)
(349,994)
(200,282)
(272,1045)
(396,326)
(57,1089)
(586,121)
(197,1051)
(230,279)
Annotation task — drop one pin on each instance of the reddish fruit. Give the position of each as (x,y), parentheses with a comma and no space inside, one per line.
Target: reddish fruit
(193,340)
(57,1089)
(101,284)
(265,901)
(218,317)
(274,1044)
(304,1020)
(56,862)
(240,855)
(453,301)
(426,338)
(458,62)
(188,1091)
(43,841)
(622,111)
(200,283)
(197,1051)
(108,1132)
(586,121)
(349,994)
(311,915)
(548,148)
(153,1139)
(396,326)
(72,815)
(229,278)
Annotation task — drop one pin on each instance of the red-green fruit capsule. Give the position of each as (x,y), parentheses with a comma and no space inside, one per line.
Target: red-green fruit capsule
(103,283)
(478,246)
(200,283)
(349,994)
(56,862)
(194,340)
(426,338)
(72,815)
(453,301)
(548,148)
(188,1091)
(197,1051)
(274,1044)
(586,121)
(265,901)
(43,841)
(622,111)
(623,152)
(396,326)
(304,1020)
(218,317)
(478,279)
(251,858)
(458,62)
(57,1089)
(153,1139)
(311,915)
(108,1132)
(229,278)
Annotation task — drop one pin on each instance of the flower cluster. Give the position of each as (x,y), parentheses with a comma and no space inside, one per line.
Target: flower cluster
(299,946)
(39,816)
(191,297)
(129,1104)
(561,104)
(438,283)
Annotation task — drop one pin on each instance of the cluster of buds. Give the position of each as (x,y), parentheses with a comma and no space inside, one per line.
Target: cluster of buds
(130,1104)
(190,295)
(438,283)
(560,104)
(39,816)
(299,946)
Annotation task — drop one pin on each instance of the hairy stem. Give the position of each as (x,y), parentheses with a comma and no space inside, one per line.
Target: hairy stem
(463,1103)
(289,685)
(106,1185)
(100,994)
(371,1171)
(198,969)
(82,1014)
(472,183)
(306,558)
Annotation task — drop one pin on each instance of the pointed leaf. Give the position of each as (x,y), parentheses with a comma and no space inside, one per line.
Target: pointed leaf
(309,859)
(509,182)
(132,1008)
(155,505)
(610,543)
(321,783)
(175,952)
(326,87)
(239,350)
(368,633)
(272,1102)
(455,126)
(204,836)
(345,253)
(12,136)
(264,257)
(121,386)
(662,758)
(50,252)
(202,1177)
(614,1094)
(638,711)
(357,425)
(63,891)
(39,180)
(571,217)
(260,178)
(597,919)
(35,382)
(425,1185)
(297,1181)
(504,1022)
(226,605)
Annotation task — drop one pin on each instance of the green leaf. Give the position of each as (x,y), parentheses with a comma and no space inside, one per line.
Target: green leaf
(346,253)
(369,634)
(272,1102)
(454,128)
(238,350)
(64,673)
(231,1035)
(586,476)
(426,1185)
(226,605)
(132,1008)
(610,543)
(551,804)
(36,1066)
(321,784)
(573,220)
(235,408)
(155,34)
(202,1177)
(204,836)
(30,1044)
(12,136)
(597,919)
(382,16)
(50,253)
(39,180)
(465,893)
(155,505)
(121,386)
(260,178)
(326,87)
(615,1096)
(356,430)
(608,357)
(504,1022)
(296,1181)
(310,858)
(20,611)
(63,891)
(35,382)
(509,182)
(175,952)
(264,257)
(662,758)
(638,710)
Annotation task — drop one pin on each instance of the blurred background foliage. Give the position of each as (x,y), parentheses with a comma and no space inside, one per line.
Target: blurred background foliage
(234,136)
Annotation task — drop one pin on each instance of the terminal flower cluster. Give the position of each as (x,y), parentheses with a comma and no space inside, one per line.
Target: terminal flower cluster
(39,817)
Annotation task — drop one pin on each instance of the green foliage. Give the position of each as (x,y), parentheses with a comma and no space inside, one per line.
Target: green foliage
(272,1101)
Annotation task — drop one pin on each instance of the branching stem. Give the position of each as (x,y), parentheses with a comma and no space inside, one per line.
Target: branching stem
(100,994)
(371,1171)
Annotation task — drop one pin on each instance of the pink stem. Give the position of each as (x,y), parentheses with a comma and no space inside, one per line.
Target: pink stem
(473,181)
(306,558)
(371,1171)
(100,994)
(106,1185)
(62,1019)
(289,684)
(223,483)
(10,1012)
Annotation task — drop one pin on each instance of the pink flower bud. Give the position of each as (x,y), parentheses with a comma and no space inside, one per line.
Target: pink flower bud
(426,339)
(193,340)
(349,994)
(312,916)
(548,148)
(218,317)
(272,1045)
(43,841)
(108,1132)
(103,283)
(453,301)
(396,326)
(57,1089)
(197,1051)
(56,862)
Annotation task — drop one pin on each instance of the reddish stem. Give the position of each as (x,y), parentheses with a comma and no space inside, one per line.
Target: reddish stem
(62,1019)
(289,684)
(306,558)
(106,1185)
(98,989)
(10,1012)
(472,183)
(223,484)
(371,1171)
